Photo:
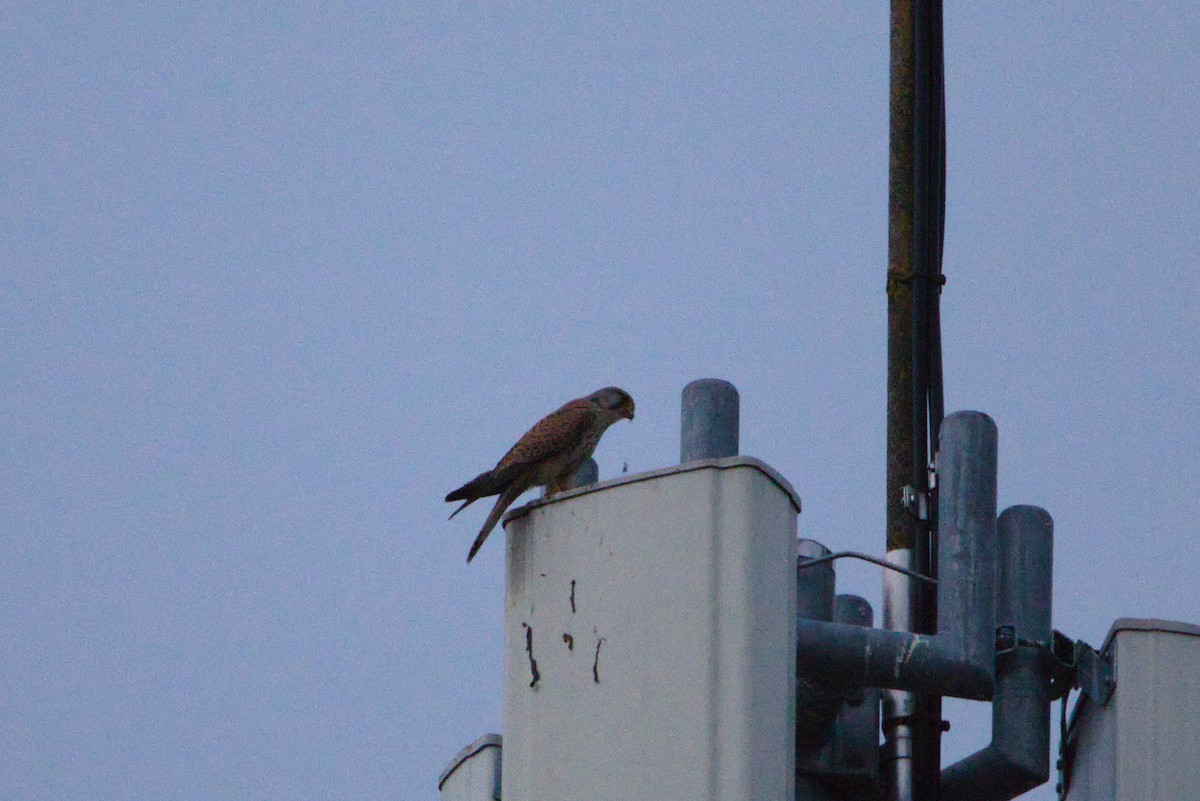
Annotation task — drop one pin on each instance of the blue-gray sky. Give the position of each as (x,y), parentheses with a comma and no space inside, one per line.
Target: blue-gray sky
(274,281)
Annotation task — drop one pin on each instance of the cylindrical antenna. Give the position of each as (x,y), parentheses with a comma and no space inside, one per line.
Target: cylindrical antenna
(814,585)
(966,591)
(587,475)
(853,609)
(856,732)
(709,428)
(817,703)
(1018,757)
(1025,571)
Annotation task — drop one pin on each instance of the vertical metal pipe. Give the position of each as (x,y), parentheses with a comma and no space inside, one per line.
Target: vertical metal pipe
(915,179)
(1021,710)
(899,706)
(1025,571)
(967,538)
(900,279)
(817,702)
(845,763)
(1018,758)
(901,531)
(814,585)
(928,210)
(856,731)
(709,420)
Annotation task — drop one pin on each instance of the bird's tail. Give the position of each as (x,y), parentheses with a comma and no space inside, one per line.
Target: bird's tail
(502,503)
(493,482)
(473,489)
(465,504)
(481,486)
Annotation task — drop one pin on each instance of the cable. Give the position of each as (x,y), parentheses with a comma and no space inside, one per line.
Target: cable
(866,558)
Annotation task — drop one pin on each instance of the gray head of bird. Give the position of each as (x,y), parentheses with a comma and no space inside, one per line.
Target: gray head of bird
(614,399)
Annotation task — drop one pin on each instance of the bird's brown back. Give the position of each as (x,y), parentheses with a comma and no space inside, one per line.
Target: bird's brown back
(553,434)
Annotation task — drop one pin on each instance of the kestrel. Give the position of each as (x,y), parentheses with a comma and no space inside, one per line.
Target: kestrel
(548,455)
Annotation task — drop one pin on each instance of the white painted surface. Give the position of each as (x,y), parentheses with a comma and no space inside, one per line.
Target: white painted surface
(671,676)
(474,774)
(1145,742)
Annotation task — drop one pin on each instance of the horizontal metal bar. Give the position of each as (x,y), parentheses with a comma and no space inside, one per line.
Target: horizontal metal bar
(856,656)
(866,558)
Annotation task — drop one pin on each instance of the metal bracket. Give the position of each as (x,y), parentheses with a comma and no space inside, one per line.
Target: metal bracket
(1008,639)
(915,503)
(1075,664)
(1081,666)
(1060,663)
(1093,673)
(1068,663)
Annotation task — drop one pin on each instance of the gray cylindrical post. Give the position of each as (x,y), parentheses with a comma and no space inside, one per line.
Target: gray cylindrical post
(847,744)
(814,585)
(1024,574)
(853,609)
(709,428)
(1021,709)
(588,474)
(966,593)
(899,706)
(856,731)
(817,702)
(1018,758)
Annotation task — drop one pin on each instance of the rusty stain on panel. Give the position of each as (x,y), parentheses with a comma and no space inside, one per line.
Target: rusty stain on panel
(533,668)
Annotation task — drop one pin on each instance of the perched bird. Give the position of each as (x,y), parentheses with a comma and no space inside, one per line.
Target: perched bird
(548,455)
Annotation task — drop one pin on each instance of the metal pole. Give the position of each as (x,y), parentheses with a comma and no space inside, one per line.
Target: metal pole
(928,185)
(915,221)
(966,588)
(899,706)
(817,702)
(814,585)
(709,420)
(898,590)
(856,731)
(1018,757)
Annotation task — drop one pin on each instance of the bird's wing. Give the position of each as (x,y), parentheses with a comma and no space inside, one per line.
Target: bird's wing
(553,434)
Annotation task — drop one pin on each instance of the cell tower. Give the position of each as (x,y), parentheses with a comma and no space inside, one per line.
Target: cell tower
(668,638)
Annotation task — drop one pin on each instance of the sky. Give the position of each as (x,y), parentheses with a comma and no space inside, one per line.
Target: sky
(275,278)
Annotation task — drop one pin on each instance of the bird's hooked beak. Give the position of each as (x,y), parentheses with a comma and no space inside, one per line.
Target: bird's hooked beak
(627,409)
